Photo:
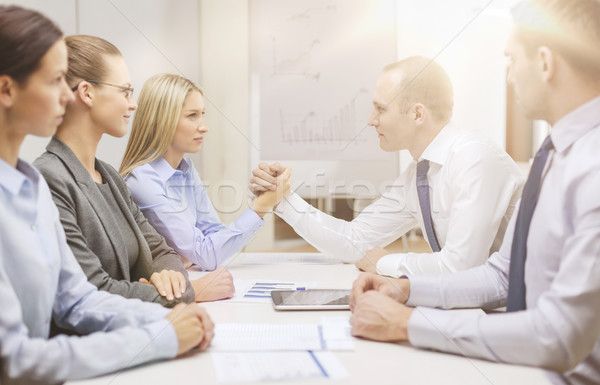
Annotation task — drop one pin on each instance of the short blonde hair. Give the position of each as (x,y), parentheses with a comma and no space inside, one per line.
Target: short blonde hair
(570,28)
(424,81)
(159,108)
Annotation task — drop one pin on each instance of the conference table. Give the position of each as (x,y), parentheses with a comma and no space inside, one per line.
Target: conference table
(370,362)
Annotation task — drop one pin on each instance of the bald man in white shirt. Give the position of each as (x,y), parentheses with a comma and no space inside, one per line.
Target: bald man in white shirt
(547,271)
(469,185)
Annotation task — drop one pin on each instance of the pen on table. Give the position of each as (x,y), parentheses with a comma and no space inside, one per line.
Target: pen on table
(258,290)
(294,288)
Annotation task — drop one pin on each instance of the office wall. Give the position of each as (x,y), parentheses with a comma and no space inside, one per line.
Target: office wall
(207,41)
(153,35)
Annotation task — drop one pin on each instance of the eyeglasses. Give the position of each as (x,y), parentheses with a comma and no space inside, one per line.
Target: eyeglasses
(128,90)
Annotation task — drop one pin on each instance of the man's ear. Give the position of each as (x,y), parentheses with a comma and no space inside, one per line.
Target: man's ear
(419,112)
(546,62)
(7,91)
(85,93)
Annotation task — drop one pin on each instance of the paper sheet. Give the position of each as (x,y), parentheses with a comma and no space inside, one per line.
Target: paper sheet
(260,290)
(267,337)
(334,334)
(289,258)
(263,366)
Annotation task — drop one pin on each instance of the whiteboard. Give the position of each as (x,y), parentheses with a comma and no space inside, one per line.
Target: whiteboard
(313,69)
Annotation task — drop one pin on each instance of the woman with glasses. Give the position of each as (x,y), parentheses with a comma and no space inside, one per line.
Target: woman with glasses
(40,279)
(117,248)
(168,125)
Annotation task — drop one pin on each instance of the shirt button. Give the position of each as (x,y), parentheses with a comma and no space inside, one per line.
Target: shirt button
(33,227)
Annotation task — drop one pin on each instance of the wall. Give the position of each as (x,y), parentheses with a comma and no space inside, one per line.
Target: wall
(224,78)
(207,41)
(153,35)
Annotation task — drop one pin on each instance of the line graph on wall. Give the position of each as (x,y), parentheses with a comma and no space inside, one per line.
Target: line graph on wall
(314,65)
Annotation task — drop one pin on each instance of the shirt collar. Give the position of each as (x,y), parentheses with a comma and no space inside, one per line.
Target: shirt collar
(576,124)
(166,171)
(437,151)
(13,179)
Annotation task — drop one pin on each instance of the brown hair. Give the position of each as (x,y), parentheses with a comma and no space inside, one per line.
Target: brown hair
(86,58)
(571,28)
(25,37)
(424,81)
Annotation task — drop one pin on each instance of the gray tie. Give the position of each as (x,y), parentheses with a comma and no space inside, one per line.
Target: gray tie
(423,193)
(516,274)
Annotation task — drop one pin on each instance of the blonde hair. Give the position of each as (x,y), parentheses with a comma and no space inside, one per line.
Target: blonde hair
(424,81)
(159,108)
(86,58)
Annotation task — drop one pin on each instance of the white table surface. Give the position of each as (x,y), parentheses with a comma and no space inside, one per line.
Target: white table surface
(370,363)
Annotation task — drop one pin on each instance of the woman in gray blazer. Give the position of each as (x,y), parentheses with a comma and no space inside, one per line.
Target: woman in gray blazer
(40,279)
(115,245)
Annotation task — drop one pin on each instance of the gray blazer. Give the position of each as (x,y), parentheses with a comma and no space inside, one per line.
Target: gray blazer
(93,234)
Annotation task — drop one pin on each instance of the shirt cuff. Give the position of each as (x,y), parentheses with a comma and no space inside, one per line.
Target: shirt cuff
(424,291)
(439,329)
(292,208)
(250,221)
(388,265)
(164,339)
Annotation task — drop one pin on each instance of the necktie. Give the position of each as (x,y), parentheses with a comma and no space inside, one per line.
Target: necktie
(423,193)
(516,275)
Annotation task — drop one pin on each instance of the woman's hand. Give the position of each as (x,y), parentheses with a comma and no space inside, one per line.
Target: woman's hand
(170,284)
(214,286)
(193,327)
(271,198)
(264,177)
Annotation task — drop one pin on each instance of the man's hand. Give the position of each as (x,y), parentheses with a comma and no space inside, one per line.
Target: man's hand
(378,317)
(396,288)
(269,199)
(368,263)
(264,178)
(214,286)
(193,327)
(170,284)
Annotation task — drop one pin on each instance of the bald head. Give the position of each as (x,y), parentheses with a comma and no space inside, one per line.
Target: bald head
(421,80)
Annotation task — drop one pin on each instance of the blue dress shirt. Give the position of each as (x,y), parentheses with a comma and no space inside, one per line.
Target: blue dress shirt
(560,329)
(177,205)
(40,279)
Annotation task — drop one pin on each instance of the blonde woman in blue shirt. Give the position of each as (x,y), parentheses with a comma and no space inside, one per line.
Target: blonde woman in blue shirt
(40,279)
(168,124)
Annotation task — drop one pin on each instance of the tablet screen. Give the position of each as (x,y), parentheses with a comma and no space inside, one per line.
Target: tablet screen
(315,299)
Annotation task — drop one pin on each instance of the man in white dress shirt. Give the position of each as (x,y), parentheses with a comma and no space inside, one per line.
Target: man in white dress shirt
(469,185)
(552,266)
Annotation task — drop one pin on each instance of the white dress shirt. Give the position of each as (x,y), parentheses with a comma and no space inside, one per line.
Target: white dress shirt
(474,189)
(40,278)
(560,330)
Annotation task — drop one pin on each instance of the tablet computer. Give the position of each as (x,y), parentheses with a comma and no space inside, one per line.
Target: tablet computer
(313,299)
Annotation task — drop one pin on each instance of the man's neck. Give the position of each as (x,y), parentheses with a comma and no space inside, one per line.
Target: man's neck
(571,93)
(426,135)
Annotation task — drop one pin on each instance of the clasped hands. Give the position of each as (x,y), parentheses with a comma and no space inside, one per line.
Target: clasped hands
(271,184)
(378,310)
(191,323)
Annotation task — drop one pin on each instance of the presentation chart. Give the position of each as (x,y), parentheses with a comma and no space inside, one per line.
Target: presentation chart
(314,65)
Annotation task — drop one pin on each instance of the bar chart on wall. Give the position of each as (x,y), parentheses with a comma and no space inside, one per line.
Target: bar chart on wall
(314,65)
